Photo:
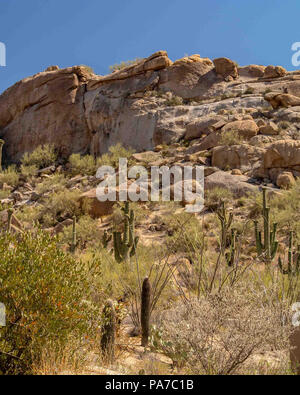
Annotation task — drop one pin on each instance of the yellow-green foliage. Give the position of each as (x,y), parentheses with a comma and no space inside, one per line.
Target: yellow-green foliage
(87,232)
(56,183)
(123,65)
(48,299)
(230,137)
(10,176)
(41,157)
(28,171)
(115,153)
(215,196)
(64,203)
(84,165)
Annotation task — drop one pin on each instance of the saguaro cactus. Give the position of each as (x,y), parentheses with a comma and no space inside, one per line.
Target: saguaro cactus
(106,239)
(74,236)
(269,247)
(293,266)
(232,253)
(108,337)
(226,222)
(10,213)
(145,311)
(125,245)
(1,147)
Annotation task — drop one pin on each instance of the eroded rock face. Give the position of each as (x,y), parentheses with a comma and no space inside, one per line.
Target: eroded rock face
(80,112)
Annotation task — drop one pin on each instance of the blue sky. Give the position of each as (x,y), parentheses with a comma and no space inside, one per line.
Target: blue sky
(39,33)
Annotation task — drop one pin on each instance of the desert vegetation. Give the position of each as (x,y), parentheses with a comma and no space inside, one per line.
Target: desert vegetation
(208,293)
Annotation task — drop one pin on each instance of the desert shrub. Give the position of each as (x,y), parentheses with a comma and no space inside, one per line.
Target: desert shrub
(62,204)
(28,171)
(250,90)
(115,153)
(87,232)
(218,334)
(55,183)
(172,100)
(284,125)
(41,157)
(230,137)
(215,196)
(84,165)
(47,295)
(123,65)
(10,176)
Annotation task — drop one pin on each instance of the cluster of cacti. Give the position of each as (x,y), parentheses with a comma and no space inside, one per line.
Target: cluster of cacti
(10,213)
(108,337)
(125,245)
(145,311)
(74,236)
(1,147)
(293,266)
(269,247)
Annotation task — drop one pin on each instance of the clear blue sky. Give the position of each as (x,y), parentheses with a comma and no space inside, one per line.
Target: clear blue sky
(39,33)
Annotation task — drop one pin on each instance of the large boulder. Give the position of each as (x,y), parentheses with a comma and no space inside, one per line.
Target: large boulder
(226,68)
(274,72)
(285,180)
(238,185)
(203,125)
(243,157)
(284,154)
(245,128)
(277,100)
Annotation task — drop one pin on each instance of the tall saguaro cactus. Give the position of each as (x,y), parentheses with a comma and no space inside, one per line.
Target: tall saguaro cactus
(1,148)
(226,222)
(109,332)
(267,248)
(125,245)
(293,266)
(146,311)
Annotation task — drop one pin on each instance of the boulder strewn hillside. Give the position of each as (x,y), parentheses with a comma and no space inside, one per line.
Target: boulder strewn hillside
(156,102)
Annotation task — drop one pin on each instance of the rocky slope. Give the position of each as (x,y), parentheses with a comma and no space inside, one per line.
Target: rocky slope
(157,102)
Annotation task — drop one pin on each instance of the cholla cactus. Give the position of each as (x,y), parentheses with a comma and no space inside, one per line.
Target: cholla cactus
(145,311)
(108,332)
(293,266)
(1,147)
(125,245)
(269,247)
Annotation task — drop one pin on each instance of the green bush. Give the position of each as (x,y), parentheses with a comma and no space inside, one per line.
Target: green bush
(115,153)
(41,157)
(87,230)
(230,137)
(84,165)
(47,295)
(123,65)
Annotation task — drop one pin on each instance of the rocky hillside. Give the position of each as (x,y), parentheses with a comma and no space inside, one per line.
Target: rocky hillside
(239,118)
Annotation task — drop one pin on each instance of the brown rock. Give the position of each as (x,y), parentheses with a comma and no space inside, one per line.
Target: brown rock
(282,100)
(226,68)
(252,71)
(270,129)
(203,125)
(286,180)
(246,128)
(238,185)
(283,154)
(96,208)
(274,72)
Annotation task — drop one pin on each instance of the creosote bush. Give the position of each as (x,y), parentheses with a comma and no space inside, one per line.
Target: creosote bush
(41,157)
(10,176)
(48,302)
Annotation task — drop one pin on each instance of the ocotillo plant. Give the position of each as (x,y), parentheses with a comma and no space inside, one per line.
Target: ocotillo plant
(293,266)
(9,219)
(226,222)
(108,337)
(125,245)
(74,236)
(1,147)
(145,311)
(269,247)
